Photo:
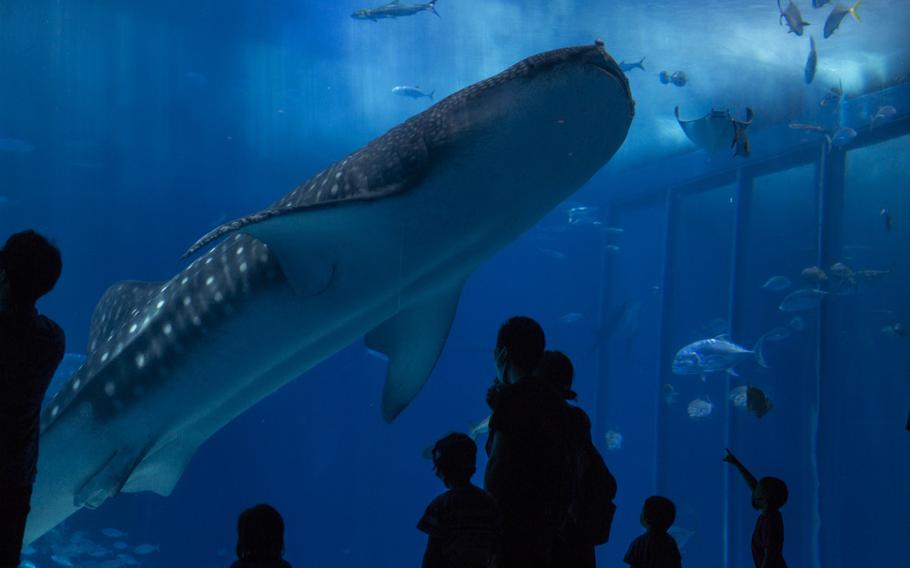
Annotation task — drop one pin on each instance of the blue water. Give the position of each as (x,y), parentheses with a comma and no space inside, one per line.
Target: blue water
(128,130)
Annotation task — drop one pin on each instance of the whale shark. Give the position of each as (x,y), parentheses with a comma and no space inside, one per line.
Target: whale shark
(377,245)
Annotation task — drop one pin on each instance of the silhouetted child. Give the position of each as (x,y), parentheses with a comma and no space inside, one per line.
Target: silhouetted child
(655,548)
(260,539)
(769,494)
(462,524)
(31,347)
(591,509)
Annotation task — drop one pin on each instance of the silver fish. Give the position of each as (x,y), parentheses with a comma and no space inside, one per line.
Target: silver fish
(842,137)
(777,284)
(394,9)
(838,14)
(793,17)
(714,355)
(700,409)
(613,440)
(634,65)
(811,62)
(884,113)
(413,92)
(801,300)
(678,78)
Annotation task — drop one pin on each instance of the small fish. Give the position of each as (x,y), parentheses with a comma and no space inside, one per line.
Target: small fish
(613,230)
(811,62)
(896,329)
(820,3)
(781,333)
(757,402)
(777,284)
(670,394)
(414,92)
(883,113)
(738,396)
(807,127)
(145,549)
(571,317)
(127,560)
(842,137)
(394,9)
(838,14)
(700,409)
(15,146)
(61,560)
(814,275)
(612,248)
(120,545)
(582,215)
(801,300)
(678,78)
(886,219)
(714,355)
(872,274)
(626,67)
(793,18)
(841,270)
(613,440)
(113,533)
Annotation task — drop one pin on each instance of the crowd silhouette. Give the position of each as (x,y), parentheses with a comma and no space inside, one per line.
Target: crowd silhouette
(547,498)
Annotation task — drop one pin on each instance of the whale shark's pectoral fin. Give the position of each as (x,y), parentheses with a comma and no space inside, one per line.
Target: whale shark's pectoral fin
(109,480)
(160,470)
(413,340)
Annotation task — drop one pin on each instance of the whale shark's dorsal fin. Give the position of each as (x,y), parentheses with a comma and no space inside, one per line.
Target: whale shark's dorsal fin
(413,339)
(119,303)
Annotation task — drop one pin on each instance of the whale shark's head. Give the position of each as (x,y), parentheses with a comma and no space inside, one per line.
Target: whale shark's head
(543,126)
(525,139)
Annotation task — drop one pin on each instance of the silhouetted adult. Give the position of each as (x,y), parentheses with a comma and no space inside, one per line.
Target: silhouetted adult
(591,505)
(529,471)
(260,539)
(31,347)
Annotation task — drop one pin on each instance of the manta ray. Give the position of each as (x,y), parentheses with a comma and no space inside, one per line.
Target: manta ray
(718,129)
(377,245)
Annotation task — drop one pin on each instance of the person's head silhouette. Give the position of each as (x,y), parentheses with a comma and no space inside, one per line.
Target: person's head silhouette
(454,459)
(520,345)
(556,368)
(770,494)
(29,268)
(658,514)
(260,534)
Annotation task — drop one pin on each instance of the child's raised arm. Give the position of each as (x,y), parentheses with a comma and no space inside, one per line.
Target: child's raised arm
(750,479)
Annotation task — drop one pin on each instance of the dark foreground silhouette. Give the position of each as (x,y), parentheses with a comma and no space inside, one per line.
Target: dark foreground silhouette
(260,539)
(31,347)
